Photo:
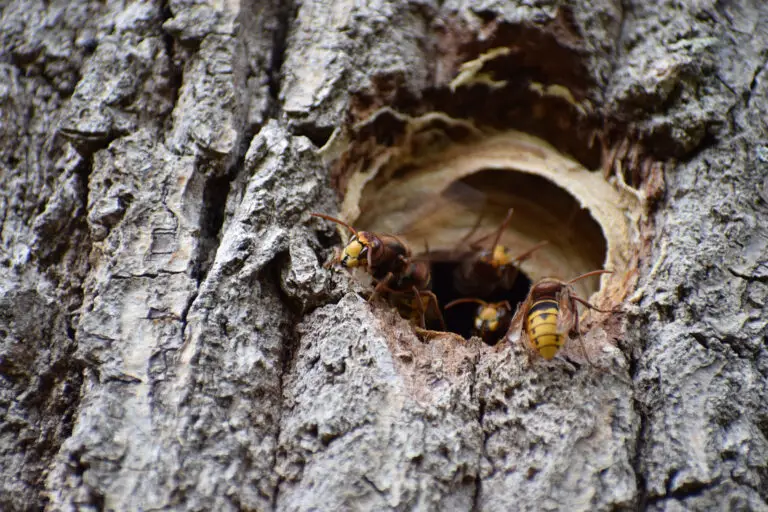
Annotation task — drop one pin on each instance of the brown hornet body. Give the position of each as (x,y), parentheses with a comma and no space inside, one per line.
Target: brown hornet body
(388,260)
(419,308)
(486,269)
(550,315)
(379,254)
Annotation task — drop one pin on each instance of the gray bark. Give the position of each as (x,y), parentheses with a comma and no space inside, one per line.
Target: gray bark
(169,338)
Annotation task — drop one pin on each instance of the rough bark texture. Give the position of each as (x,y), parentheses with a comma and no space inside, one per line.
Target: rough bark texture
(169,338)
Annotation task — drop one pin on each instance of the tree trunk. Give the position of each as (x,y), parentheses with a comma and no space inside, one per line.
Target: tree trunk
(170,339)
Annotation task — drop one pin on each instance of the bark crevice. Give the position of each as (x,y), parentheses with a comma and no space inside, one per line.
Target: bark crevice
(641,488)
(174,69)
(476,507)
(753,84)
(284,14)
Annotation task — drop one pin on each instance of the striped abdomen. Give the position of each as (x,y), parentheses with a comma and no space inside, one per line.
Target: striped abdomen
(541,327)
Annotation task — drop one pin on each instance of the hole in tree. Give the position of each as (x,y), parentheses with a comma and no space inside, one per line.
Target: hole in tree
(542,212)
(469,210)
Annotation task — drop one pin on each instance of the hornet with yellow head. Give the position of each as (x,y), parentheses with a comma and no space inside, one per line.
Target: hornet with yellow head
(484,270)
(379,254)
(491,319)
(388,260)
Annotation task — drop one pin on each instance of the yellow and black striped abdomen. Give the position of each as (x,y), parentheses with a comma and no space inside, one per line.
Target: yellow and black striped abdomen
(541,327)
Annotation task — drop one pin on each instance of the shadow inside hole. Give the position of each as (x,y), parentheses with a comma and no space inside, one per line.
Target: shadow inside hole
(460,318)
(544,211)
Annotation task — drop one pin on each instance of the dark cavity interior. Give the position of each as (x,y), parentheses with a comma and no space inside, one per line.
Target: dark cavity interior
(460,318)
(545,212)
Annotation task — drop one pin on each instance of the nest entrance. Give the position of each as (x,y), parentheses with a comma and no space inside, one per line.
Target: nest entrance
(542,212)
(435,202)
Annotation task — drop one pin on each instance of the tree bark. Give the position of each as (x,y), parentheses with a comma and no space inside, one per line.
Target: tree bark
(170,339)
